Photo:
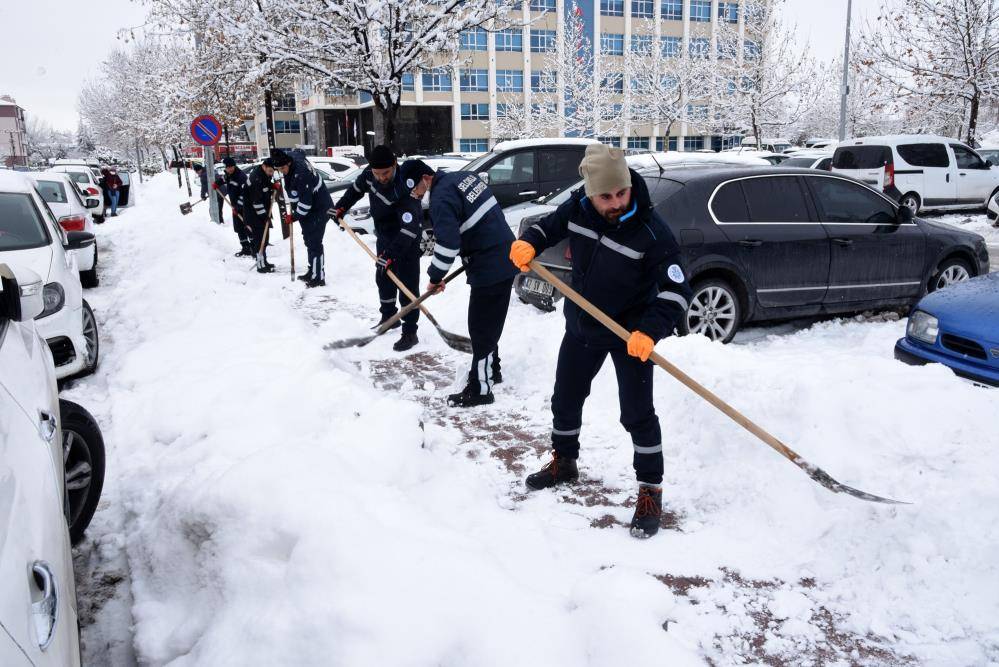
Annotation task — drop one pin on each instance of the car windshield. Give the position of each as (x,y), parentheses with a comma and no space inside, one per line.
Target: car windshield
(52,191)
(80,177)
(475,164)
(21,226)
(558,197)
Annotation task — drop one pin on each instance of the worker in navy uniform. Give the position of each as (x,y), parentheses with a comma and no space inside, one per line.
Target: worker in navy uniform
(626,263)
(234,181)
(257,196)
(468,222)
(398,219)
(311,204)
(202,174)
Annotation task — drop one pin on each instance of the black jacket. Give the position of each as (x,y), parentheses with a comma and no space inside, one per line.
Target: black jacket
(397,232)
(256,195)
(306,193)
(631,270)
(468,221)
(234,185)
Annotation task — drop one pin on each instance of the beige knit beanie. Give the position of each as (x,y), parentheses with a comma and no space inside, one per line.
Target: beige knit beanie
(604,170)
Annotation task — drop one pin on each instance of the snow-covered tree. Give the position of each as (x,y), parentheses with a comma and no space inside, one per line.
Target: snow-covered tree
(939,57)
(767,81)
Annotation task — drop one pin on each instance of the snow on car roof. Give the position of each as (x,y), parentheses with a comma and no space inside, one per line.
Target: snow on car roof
(15,181)
(527,143)
(896,138)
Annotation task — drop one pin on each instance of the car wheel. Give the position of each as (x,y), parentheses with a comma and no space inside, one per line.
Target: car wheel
(427,241)
(83,461)
(89,278)
(714,310)
(92,354)
(910,200)
(951,271)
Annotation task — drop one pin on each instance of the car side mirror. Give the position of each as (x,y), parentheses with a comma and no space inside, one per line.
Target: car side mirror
(484,175)
(989,164)
(92,203)
(78,240)
(904,215)
(21,297)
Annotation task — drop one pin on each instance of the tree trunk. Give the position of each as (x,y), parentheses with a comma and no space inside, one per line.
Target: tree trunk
(269,120)
(973,119)
(389,115)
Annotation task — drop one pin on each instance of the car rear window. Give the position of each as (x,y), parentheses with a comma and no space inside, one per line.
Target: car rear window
(861,157)
(729,204)
(52,191)
(775,199)
(802,162)
(79,177)
(21,226)
(924,155)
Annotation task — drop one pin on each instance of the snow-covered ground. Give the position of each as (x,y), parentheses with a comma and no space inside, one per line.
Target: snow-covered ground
(271,503)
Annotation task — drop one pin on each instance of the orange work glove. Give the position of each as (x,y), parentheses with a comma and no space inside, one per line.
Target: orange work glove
(640,345)
(521,254)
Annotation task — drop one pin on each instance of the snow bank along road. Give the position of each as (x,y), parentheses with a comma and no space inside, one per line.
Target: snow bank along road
(269,503)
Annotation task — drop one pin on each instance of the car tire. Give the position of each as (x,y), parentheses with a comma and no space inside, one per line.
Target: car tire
(84,461)
(90,332)
(89,278)
(427,242)
(911,201)
(950,271)
(715,310)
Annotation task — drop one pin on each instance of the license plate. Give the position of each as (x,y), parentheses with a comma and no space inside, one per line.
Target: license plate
(539,287)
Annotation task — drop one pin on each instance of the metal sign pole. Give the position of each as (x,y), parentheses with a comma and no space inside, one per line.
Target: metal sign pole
(213,200)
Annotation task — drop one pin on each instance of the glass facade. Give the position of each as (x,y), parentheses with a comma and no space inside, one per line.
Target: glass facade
(510,40)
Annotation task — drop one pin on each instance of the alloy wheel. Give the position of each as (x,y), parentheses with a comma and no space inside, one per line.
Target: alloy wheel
(79,471)
(712,313)
(90,335)
(955,273)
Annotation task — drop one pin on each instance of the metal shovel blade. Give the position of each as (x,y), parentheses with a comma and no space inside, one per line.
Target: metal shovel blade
(822,477)
(349,342)
(185,208)
(456,341)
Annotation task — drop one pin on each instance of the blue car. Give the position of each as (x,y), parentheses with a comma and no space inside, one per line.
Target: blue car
(958,327)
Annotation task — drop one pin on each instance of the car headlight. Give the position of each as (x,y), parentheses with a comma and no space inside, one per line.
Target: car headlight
(923,327)
(53,298)
(362,213)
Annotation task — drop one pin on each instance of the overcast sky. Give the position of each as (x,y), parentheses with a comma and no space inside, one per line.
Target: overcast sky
(51,46)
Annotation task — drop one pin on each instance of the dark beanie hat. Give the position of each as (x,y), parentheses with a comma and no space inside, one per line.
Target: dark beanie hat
(279,158)
(381,157)
(268,162)
(198,166)
(229,162)
(413,170)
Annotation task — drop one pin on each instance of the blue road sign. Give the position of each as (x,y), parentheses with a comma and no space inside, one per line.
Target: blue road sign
(206,130)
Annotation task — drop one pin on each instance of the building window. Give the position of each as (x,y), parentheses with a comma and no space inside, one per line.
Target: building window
(546,108)
(672,144)
(612,7)
(408,82)
(287,126)
(660,144)
(473,145)
(670,47)
(437,81)
(610,141)
(611,44)
(474,81)
(728,11)
(510,40)
(700,47)
(642,9)
(475,112)
(543,5)
(284,102)
(501,110)
(697,113)
(691,143)
(614,83)
(641,43)
(700,11)
(542,41)
(638,143)
(473,40)
(672,10)
(540,83)
(751,50)
(510,80)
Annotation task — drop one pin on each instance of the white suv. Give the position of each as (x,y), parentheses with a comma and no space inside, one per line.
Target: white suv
(73,213)
(920,171)
(30,236)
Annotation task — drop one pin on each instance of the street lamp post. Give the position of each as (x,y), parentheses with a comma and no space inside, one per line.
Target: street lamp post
(845,92)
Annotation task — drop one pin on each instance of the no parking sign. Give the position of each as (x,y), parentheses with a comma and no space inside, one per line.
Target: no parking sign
(206,130)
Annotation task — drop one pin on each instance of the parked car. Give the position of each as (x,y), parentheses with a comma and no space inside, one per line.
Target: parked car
(73,214)
(920,171)
(772,243)
(526,169)
(990,154)
(807,159)
(88,184)
(959,328)
(768,145)
(335,166)
(770,156)
(30,236)
(45,471)
(125,195)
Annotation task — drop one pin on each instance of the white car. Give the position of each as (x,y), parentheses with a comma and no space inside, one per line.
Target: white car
(38,615)
(30,236)
(809,159)
(334,166)
(920,171)
(88,180)
(73,214)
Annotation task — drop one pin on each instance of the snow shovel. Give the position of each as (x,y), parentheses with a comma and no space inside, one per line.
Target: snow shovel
(453,340)
(816,473)
(390,322)
(186,207)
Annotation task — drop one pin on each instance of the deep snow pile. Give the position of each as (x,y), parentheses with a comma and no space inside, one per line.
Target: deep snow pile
(278,509)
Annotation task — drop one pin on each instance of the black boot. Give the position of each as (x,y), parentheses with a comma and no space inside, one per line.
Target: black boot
(246,251)
(648,511)
(470,397)
(266,268)
(407,341)
(315,282)
(559,470)
(306,277)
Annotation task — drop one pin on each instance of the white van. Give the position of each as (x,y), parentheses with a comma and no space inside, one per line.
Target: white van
(920,171)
